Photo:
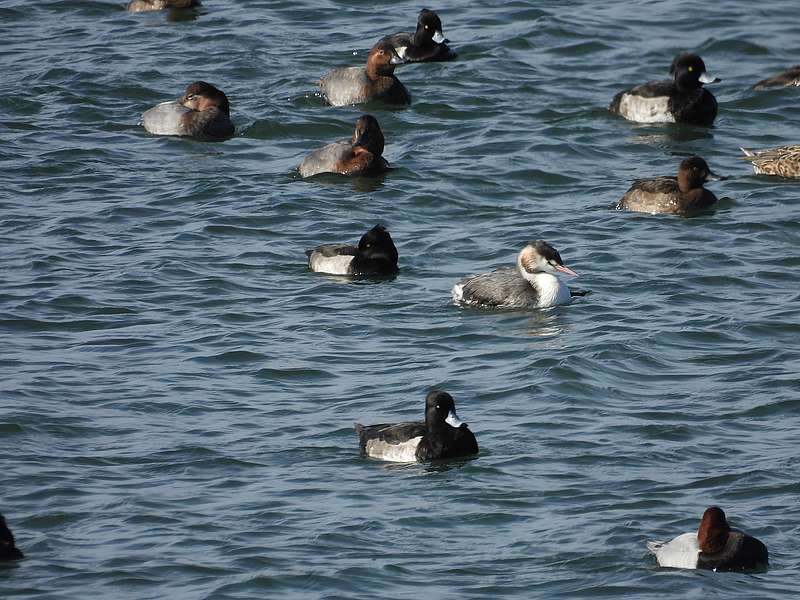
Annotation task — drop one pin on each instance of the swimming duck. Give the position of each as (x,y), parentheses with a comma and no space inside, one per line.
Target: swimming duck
(682,100)
(426,44)
(783,161)
(203,112)
(361,155)
(440,436)
(375,254)
(147,5)
(375,81)
(787,78)
(681,195)
(714,546)
(531,284)
(8,549)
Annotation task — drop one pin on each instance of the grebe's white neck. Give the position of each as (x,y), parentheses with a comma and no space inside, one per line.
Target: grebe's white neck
(550,289)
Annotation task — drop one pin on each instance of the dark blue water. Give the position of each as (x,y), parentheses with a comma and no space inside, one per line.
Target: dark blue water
(177,391)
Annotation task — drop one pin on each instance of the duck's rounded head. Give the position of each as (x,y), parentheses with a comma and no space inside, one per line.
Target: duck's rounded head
(202,96)
(368,135)
(713,531)
(429,27)
(540,257)
(377,244)
(693,172)
(382,59)
(440,408)
(689,71)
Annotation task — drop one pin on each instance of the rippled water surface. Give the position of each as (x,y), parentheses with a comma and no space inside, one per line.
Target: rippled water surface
(177,391)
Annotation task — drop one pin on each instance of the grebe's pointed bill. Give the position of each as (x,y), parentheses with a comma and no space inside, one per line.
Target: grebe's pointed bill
(566,270)
(453,420)
(438,37)
(706,78)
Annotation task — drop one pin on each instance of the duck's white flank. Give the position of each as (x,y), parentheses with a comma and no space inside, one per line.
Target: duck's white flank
(645,110)
(679,553)
(334,265)
(405,452)
(458,293)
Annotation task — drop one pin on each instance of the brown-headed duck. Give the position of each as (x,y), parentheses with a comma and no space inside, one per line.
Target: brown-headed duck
(375,255)
(789,77)
(360,155)
(783,161)
(682,100)
(375,81)
(426,44)
(714,546)
(8,548)
(203,112)
(681,195)
(148,5)
(441,436)
(531,284)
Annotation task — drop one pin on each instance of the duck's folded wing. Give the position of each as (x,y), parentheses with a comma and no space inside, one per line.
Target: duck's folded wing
(645,193)
(325,159)
(165,119)
(331,250)
(344,86)
(391,433)
(653,89)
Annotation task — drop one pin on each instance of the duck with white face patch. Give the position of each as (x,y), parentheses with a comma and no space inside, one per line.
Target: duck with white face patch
(441,436)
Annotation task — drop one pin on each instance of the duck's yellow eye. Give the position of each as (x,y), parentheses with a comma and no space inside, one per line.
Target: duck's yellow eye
(690,69)
(426,27)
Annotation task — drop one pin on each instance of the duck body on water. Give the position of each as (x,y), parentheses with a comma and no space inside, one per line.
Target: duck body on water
(441,436)
(681,100)
(714,546)
(203,112)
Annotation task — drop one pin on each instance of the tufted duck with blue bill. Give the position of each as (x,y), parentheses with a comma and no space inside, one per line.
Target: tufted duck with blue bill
(375,255)
(441,436)
(682,100)
(426,44)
